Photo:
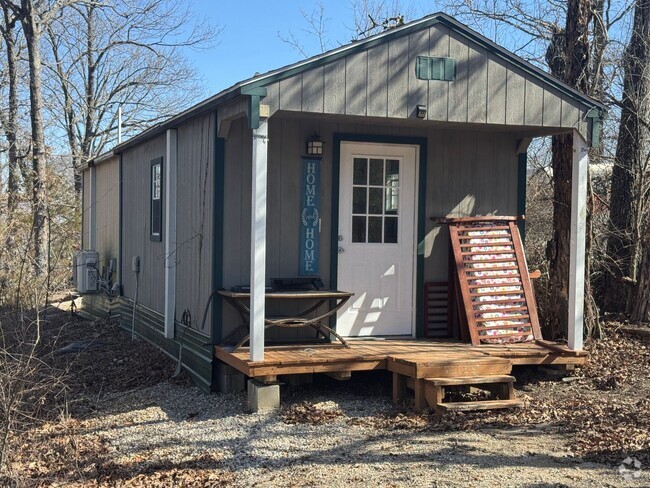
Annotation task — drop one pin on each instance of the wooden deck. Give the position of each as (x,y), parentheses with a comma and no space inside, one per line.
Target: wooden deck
(364,355)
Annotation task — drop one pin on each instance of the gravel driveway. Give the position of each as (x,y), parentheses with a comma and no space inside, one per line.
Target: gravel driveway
(175,424)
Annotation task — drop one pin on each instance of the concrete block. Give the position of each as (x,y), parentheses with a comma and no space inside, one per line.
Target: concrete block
(263,398)
(229,380)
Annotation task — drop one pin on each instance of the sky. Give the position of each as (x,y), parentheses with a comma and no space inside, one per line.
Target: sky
(250,43)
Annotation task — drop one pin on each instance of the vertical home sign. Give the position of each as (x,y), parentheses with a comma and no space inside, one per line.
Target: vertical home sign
(310,217)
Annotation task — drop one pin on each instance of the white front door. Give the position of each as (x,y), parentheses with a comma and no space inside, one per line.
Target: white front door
(377,245)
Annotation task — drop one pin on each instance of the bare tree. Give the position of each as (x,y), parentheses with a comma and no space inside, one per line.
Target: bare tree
(630,186)
(34,15)
(574,36)
(568,57)
(369,17)
(10,119)
(641,309)
(316,27)
(374,16)
(122,53)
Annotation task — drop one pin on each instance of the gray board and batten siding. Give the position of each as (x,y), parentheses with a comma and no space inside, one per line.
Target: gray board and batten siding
(194,219)
(105,209)
(136,208)
(381,82)
(469,172)
(86,208)
(192,256)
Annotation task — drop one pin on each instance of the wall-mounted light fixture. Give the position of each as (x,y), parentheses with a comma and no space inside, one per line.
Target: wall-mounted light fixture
(421,111)
(315,145)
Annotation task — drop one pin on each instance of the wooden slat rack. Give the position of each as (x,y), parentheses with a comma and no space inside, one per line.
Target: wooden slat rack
(495,297)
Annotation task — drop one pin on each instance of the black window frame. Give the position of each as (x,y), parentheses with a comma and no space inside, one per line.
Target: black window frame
(156,205)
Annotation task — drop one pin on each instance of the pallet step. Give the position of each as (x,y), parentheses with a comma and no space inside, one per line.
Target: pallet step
(480,405)
(470,380)
(448,366)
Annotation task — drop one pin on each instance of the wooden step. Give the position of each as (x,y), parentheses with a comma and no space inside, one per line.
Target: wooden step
(470,380)
(461,364)
(480,405)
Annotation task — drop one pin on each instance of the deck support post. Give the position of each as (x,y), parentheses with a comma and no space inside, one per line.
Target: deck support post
(258,240)
(263,397)
(579,177)
(169,180)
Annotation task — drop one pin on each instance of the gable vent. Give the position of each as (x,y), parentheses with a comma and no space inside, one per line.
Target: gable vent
(428,68)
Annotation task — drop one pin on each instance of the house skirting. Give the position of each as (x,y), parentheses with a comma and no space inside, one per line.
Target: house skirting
(149,325)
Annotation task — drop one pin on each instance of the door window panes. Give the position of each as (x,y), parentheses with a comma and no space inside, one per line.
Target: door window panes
(359,196)
(360,171)
(374,229)
(390,230)
(375,200)
(376,171)
(358,229)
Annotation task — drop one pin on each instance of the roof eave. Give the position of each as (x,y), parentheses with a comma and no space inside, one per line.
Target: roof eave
(263,80)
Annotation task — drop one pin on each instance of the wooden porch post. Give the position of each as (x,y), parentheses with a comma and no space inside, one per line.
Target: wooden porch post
(258,241)
(577,241)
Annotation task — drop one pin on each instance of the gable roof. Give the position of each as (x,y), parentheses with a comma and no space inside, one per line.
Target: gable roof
(440,18)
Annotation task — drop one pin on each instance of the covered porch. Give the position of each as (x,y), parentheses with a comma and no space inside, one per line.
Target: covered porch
(400,148)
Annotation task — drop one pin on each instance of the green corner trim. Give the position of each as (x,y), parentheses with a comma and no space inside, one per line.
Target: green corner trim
(595,126)
(522,170)
(422,178)
(254,112)
(258,91)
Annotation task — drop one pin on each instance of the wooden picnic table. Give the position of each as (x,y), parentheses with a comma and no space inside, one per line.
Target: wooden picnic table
(309,317)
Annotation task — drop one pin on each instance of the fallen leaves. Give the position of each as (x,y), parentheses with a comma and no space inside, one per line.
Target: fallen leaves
(310,413)
(604,412)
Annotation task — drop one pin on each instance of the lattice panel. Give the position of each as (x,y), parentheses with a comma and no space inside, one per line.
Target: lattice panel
(497,296)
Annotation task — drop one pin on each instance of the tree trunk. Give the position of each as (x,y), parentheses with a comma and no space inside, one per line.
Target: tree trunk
(11,123)
(641,309)
(624,244)
(32,32)
(558,248)
(568,59)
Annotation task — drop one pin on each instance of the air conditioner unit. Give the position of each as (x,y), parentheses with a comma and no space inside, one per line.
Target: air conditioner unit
(85,272)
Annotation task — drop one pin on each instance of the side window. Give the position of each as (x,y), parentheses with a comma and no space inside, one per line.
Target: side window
(156,199)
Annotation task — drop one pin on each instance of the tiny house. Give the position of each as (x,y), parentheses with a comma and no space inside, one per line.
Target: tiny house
(336,169)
